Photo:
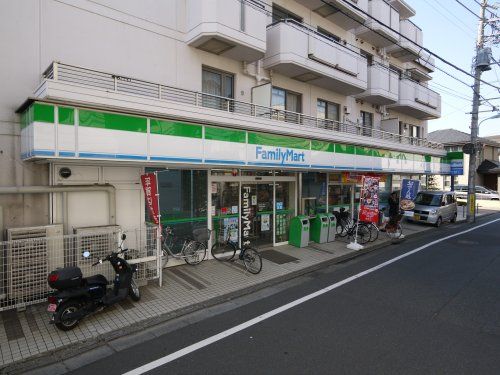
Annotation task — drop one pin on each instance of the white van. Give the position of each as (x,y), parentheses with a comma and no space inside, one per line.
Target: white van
(481,193)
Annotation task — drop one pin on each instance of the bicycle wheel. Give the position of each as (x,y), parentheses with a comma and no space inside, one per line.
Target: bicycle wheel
(164,256)
(342,228)
(363,234)
(373,232)
(223,250)
(394,232)
(194,252)
(252,260)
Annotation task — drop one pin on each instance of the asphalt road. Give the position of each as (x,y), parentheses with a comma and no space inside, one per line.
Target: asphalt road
(435,311)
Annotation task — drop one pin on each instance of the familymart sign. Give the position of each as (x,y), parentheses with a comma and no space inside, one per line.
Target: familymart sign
(281,156)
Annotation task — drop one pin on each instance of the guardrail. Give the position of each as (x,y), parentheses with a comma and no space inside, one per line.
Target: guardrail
(26,263)
(127,85)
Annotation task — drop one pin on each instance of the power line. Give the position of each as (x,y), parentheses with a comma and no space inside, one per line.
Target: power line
(403,36)
(312,32)
(453,15)
(466,7)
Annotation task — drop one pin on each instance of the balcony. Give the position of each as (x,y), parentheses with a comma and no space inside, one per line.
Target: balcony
(405,11)
(427,61)
(375,32)
(383,86)
(77,86)
(417,101)
(299,52)
(226,27)
(342,13)
(407,49)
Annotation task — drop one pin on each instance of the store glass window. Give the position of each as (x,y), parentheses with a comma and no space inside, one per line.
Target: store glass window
(183,200)
(314,193)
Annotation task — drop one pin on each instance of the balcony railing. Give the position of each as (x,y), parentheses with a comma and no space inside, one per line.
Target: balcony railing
(131,86)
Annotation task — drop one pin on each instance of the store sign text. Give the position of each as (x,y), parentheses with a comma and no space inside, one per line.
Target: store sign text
(281,155)
(246,219)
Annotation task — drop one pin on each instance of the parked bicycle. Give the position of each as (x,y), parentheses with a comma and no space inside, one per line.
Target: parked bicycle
(352,229)
(193,251)
(225,250)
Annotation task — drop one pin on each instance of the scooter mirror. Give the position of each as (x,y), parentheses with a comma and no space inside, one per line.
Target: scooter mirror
(86,254)
(124,236)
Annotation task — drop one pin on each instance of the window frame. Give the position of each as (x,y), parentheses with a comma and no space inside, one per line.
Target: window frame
(327,104)
(224,75)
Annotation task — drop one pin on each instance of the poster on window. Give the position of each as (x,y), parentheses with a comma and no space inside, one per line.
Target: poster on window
(265,222)
(368,211)
(231,229)
(409,190)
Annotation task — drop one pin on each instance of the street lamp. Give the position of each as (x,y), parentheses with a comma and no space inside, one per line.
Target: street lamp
(490,118)
(471,195)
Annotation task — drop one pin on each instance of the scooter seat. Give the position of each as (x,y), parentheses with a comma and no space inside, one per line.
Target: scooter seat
(96,279)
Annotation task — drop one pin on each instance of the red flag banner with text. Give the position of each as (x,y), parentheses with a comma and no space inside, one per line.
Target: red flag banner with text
(150,187)
(368,208)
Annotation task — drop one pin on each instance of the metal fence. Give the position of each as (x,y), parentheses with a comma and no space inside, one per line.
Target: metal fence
(112,82)
(25,263)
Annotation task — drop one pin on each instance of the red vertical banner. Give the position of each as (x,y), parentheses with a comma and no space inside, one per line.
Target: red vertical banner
(150,186)
(368,205)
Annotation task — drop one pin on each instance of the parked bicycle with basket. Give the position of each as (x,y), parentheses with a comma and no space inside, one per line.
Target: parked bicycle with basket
(192,250)
(225,248)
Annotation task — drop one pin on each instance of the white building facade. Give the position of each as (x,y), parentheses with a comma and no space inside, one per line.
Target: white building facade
(289,100)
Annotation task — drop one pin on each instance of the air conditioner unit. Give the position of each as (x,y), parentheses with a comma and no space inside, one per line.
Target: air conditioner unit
(99,241)
(32,252)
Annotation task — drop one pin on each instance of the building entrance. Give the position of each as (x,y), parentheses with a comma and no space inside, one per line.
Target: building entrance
(256,209)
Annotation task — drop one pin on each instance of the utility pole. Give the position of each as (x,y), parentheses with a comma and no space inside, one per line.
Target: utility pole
(474,128)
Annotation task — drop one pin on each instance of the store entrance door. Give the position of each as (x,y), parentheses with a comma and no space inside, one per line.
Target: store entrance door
(265,215)
(260,215)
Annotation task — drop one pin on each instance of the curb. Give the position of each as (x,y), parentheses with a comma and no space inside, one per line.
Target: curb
(53,360)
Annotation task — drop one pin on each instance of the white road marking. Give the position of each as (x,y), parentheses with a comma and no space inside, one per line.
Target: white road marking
(210,340)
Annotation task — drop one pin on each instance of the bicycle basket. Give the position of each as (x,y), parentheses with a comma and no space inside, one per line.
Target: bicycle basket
(201,234)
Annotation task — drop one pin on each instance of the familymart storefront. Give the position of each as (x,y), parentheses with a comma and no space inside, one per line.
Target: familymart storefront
(209,176)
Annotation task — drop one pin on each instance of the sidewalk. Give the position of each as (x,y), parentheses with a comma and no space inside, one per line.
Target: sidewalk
(26,335)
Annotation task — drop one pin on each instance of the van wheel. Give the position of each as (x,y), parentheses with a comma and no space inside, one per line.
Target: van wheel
(454,220)
(439,222)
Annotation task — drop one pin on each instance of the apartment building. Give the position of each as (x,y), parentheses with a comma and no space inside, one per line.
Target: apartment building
(290,101)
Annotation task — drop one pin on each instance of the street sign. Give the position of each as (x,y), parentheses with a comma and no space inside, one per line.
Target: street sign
(468,148)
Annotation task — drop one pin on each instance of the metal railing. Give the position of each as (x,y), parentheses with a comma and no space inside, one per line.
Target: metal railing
(26,263)
(120,84)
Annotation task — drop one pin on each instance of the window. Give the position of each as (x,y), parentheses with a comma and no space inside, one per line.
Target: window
(280,13)
(183,200)
(328,111)
(286,100)
(328,35)
(414,131)
(218,85)
(367,122)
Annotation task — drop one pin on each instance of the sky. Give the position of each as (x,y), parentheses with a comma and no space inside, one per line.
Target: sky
(450,31)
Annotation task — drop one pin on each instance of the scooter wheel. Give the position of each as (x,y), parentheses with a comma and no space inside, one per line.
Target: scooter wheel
(63,323)
(134,291)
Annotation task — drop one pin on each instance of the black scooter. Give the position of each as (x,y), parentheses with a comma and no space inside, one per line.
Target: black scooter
(76,297)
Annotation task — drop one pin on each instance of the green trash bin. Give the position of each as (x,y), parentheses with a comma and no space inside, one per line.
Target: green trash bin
(319,228)
(332,227)
(299,231)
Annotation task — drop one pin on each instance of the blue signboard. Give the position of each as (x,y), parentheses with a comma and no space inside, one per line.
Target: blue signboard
(409,189)
(457,167)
